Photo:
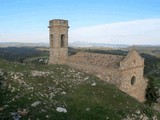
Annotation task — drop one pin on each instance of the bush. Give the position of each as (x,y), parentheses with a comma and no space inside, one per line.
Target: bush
(3,76)
(151,92)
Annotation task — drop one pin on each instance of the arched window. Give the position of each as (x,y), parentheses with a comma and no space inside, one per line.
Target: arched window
(62,41)
(133,80)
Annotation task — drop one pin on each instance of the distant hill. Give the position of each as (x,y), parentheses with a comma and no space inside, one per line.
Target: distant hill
(73,44)
(148,49)
(89,44)
(19,44)
(77,44)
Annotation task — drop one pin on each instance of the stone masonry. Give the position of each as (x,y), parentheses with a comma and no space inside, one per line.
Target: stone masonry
(125,72)
(58,41)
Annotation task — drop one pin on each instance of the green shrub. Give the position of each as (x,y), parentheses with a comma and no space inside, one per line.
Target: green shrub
(151,92)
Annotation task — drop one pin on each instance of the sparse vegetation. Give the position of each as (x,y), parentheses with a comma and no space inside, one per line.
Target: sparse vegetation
(58,92)
(15,54)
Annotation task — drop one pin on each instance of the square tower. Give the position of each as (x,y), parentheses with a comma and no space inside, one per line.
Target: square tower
(58,37)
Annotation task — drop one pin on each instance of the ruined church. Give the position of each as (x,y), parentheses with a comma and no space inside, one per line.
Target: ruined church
(125,72)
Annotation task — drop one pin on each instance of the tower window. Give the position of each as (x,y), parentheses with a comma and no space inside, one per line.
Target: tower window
(133,80)
(62,41)
(51,40)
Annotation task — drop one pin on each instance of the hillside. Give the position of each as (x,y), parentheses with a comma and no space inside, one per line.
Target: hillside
(40,91)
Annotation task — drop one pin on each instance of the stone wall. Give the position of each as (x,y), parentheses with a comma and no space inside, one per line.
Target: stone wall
(136,89)
(58,56)
(112,76)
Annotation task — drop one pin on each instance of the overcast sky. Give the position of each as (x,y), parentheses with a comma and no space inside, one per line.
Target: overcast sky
(103,21)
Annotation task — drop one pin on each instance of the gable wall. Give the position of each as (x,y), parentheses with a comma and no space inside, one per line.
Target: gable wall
(132,60)
(133,66)
(137,90)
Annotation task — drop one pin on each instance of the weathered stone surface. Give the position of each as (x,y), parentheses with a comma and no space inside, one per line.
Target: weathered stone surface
(22,112)
(35,103)
(58,41)
(103,60)
(60,109)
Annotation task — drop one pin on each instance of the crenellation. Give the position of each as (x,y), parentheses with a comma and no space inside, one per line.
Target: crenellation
(58,23)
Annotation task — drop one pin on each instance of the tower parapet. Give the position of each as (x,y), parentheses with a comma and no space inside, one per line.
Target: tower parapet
(58,22)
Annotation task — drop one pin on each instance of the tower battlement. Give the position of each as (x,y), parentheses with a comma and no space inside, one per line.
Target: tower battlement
(58,22)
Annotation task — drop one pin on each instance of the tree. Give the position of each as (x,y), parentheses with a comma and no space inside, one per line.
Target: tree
(151,92)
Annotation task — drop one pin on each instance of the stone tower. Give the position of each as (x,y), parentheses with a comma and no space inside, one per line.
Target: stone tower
(58,37)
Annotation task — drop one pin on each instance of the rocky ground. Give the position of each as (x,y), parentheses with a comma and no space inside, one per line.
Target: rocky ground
(39,92)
